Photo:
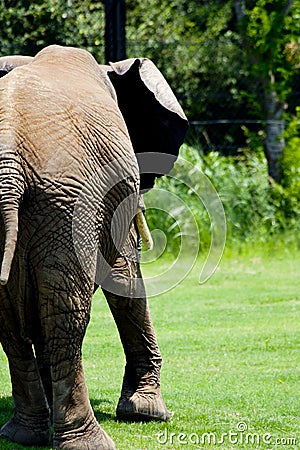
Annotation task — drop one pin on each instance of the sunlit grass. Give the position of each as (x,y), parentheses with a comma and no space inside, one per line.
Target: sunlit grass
(231,360)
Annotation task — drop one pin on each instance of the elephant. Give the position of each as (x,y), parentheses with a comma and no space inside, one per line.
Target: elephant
(79,144)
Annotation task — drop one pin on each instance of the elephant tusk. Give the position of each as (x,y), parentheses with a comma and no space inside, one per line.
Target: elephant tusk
(143,229)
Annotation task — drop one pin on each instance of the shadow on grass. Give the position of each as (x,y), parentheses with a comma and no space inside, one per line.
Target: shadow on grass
(6,409)
(98,406)
(7,406)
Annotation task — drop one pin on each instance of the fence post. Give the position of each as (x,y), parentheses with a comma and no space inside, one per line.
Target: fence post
(115,34)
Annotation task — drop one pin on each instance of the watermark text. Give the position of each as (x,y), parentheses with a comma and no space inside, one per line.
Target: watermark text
(240,436)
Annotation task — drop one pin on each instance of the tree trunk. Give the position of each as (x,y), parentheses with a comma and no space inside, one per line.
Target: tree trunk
(274,141)
(239,7)
(115,32)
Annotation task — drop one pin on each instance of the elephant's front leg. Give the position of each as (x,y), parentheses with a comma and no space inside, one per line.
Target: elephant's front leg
(140,397)
(65,299)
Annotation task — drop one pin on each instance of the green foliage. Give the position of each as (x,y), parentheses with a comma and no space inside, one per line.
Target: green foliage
(192,44)
(269,29)
(256,209)
(222,67)
(290,161)
(26,26)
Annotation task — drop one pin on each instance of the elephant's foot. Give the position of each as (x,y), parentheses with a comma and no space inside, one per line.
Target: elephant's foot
(145,403)
(91,437)
(21,433)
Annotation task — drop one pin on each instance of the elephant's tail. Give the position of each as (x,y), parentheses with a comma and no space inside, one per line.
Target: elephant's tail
(12,187)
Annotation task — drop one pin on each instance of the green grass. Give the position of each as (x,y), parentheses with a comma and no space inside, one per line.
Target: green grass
(231,357)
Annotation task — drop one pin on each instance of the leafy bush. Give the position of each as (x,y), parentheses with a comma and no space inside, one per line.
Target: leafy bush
(256,209)
(290,162)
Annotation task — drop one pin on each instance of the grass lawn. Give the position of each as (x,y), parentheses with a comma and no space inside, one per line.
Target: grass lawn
(231,371)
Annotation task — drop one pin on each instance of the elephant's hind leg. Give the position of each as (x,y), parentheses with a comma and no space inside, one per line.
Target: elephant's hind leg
(141,397)
(30,424)
(65,299)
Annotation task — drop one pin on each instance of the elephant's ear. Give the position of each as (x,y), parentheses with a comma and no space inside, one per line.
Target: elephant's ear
(156,122)
(8,63)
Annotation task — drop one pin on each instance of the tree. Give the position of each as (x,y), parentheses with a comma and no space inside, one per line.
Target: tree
(193,45)
(231,63)
(227,61)
(266,35)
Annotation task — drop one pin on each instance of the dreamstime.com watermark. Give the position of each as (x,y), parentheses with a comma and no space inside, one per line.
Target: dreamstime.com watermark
(240,436)
(93,205)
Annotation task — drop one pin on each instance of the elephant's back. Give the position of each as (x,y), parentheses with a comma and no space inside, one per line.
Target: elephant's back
(63,128)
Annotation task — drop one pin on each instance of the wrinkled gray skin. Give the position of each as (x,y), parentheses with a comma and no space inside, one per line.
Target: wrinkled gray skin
(60,123)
